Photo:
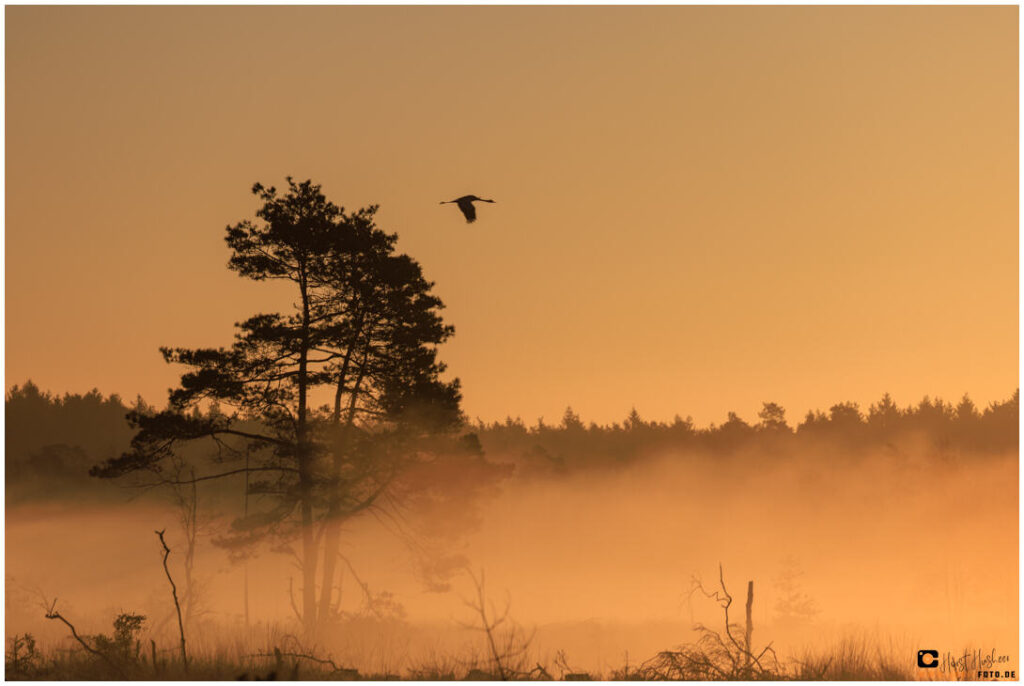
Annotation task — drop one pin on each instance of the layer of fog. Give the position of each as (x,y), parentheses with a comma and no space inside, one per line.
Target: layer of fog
(911,549)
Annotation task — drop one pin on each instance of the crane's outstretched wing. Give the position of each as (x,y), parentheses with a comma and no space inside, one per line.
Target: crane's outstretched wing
(466,205)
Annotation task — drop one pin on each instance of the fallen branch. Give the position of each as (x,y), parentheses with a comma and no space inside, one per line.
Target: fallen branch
(278,654)
(51,613)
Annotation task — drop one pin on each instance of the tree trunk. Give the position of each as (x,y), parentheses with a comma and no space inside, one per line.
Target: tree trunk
(332,523)
(332,542)
(309,549)
(309,560)
(245,564)
(191,531)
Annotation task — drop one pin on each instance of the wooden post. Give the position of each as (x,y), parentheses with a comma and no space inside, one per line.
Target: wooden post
(750,623)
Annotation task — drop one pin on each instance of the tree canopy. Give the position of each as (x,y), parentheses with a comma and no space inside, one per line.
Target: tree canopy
(362,336)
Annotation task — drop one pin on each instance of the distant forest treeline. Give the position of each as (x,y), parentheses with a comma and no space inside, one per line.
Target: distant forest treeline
(934,425)
(61,437)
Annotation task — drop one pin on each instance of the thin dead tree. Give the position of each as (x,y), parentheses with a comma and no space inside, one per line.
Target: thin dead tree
(511,653)
(174,594)
(714,657)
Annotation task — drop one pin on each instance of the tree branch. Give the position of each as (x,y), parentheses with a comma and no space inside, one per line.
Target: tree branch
(241,470)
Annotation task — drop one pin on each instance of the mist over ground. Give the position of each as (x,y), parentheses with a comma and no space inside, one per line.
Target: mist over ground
(906,545)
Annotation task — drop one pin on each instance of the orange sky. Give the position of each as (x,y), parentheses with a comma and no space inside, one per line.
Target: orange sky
(699,209)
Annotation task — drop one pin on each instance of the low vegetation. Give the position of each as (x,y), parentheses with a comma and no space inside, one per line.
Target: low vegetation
(504,652)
